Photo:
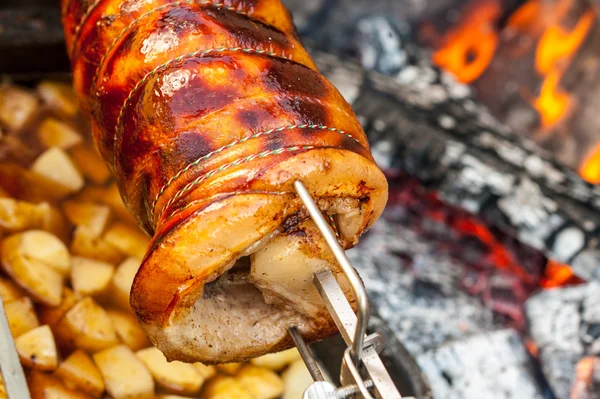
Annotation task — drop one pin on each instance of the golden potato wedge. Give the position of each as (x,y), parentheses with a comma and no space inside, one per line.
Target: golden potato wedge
(229,368)
(206,371)
(37,349)
(85,243)
(125,376)
(52,314)
(128,239)
(164,396)
(122,281)
(86,326)
(9,291)
(93,217)
(46,386)
(90,164)
(277,361)
(17,106)
(128,329)
(47,248)
(26,185)
(108,196)
(262,383)
(78,371)
(296,380)
(17,216)
(90,277)
(174,376)
(222,387)
(54,133)
(40,280)
(21,316)
(56,165)
(59,96)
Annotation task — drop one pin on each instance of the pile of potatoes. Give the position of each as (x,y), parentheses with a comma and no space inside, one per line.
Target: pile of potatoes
(69,251)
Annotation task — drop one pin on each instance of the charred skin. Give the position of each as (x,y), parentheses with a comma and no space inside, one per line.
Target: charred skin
(207,112)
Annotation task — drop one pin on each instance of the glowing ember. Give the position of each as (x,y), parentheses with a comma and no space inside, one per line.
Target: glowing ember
(558,275)
(468,48)
(590,168)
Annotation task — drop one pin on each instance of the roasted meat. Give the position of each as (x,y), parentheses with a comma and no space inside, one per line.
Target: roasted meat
(207,112)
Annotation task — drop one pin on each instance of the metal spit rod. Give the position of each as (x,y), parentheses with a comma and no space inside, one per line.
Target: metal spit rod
(362,352)
(12,371)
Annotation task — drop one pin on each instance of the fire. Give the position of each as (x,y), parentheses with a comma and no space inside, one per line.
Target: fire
(555,51)
(558,275)
(552,102)
(469,47)
(590,168)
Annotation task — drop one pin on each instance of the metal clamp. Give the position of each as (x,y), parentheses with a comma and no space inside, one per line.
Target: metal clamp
(362,354)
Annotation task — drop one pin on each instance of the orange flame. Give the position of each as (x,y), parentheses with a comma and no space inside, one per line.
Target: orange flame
(555,52)
(468,48)
(558,275)
(590,168)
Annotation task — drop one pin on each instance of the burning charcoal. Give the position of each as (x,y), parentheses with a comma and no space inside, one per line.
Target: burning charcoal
(434,307)
(587,380)
(381,44)
(564,326)
(425,124)
(491,365)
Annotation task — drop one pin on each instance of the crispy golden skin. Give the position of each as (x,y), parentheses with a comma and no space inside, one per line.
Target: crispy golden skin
(207,112)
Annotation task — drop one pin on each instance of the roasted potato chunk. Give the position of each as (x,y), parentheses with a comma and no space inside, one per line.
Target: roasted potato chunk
(87,326)
(206,371)
(90,164)
(21,316)
(78,371)
(125,376)
(174,376)
(46,386)
(85,243)
(37,277)
(262,383)
(52,314)
(296,380)
(17,107)
(122,281)
(46,248)
(128,329)
(3,394)
(222,387)
(59,96)
(56,165)
(93,217)
(9,291)
(277,361)
(91,277)
(37,349)
(54,133)
(229,368)
(128,239)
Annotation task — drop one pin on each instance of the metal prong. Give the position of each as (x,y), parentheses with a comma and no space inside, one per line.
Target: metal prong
(353,278)
(307,356)
(342,314)
(12,371)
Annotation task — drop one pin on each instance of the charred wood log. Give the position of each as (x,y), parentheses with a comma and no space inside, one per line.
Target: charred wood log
(493,365)
(565,326)
(424,123)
